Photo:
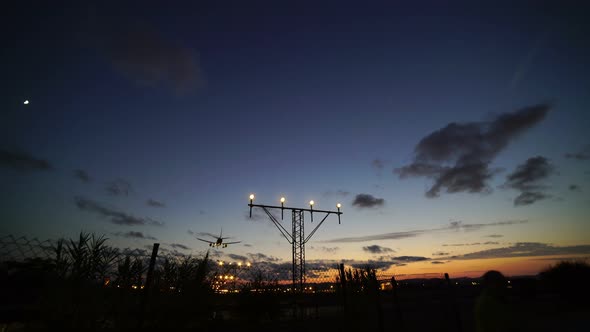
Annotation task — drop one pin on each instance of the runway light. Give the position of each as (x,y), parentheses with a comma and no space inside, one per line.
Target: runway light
(311,202)
(282,199)
(26,102)
(251,202)
(338,205)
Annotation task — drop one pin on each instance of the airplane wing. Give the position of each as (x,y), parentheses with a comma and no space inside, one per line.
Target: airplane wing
(231,242)
(210,242)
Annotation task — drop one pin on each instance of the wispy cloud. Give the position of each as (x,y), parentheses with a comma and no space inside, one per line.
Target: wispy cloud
(581,155)
(470,244)
(453,226)
(440,253)
(376,249)
(527,249)
(458,156)
(154,203)
(329,250)
(82,175)
(367,201)
(574,187)
(526,179)
(337,193)
(409,259)
(119,187)
(179,246)
(260,257)
(22,162)
(135,235)
(495,235)
(114,216)
(378,163)
(437,262)
(237,257)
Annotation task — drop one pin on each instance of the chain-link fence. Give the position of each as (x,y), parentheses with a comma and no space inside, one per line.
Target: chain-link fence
(83,283)
(226,275)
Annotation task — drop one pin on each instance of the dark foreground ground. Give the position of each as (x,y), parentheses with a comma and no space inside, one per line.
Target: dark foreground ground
(413,309)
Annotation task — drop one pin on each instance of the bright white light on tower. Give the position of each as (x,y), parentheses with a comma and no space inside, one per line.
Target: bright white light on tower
(26,102)
(252,196)
(338,205)
(282,199)
(311,202)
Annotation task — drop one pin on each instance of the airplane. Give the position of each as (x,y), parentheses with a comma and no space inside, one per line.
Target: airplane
(219,242)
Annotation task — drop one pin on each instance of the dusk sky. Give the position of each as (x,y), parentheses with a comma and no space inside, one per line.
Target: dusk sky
(455,136)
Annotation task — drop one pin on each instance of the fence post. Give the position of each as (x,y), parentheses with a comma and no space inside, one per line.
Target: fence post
(147,287)
(343,285)
(396,304)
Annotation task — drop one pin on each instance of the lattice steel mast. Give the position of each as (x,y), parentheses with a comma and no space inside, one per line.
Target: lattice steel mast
(297,237)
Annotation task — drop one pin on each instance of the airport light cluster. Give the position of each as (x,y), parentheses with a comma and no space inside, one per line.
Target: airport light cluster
(296,236)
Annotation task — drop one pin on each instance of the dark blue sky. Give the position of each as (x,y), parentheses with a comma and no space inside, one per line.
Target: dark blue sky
(195,105)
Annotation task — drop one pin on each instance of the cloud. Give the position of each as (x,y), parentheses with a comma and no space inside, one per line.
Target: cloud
(114,216)
(574,187)
(135,235)
(329,250)
(337,193)
(367,201)
(527,198)
(495,235)
(453,226)
(437,262)
(440,253)
(119,187)
(22,162)
(179,246)
(470,244)
(461,244)
(458,156)
(409,259)
(526,177)
(584,154)
(237,257)
(154,203)
(378,163)
(260,257)
(190,232)
(527,249)
(147,57)
(376,249)
(82,175)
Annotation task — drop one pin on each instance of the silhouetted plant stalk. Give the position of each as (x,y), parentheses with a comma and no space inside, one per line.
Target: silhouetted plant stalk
(88,258)
(360,295)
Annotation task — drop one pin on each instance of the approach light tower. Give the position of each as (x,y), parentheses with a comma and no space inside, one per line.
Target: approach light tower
(297,236)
